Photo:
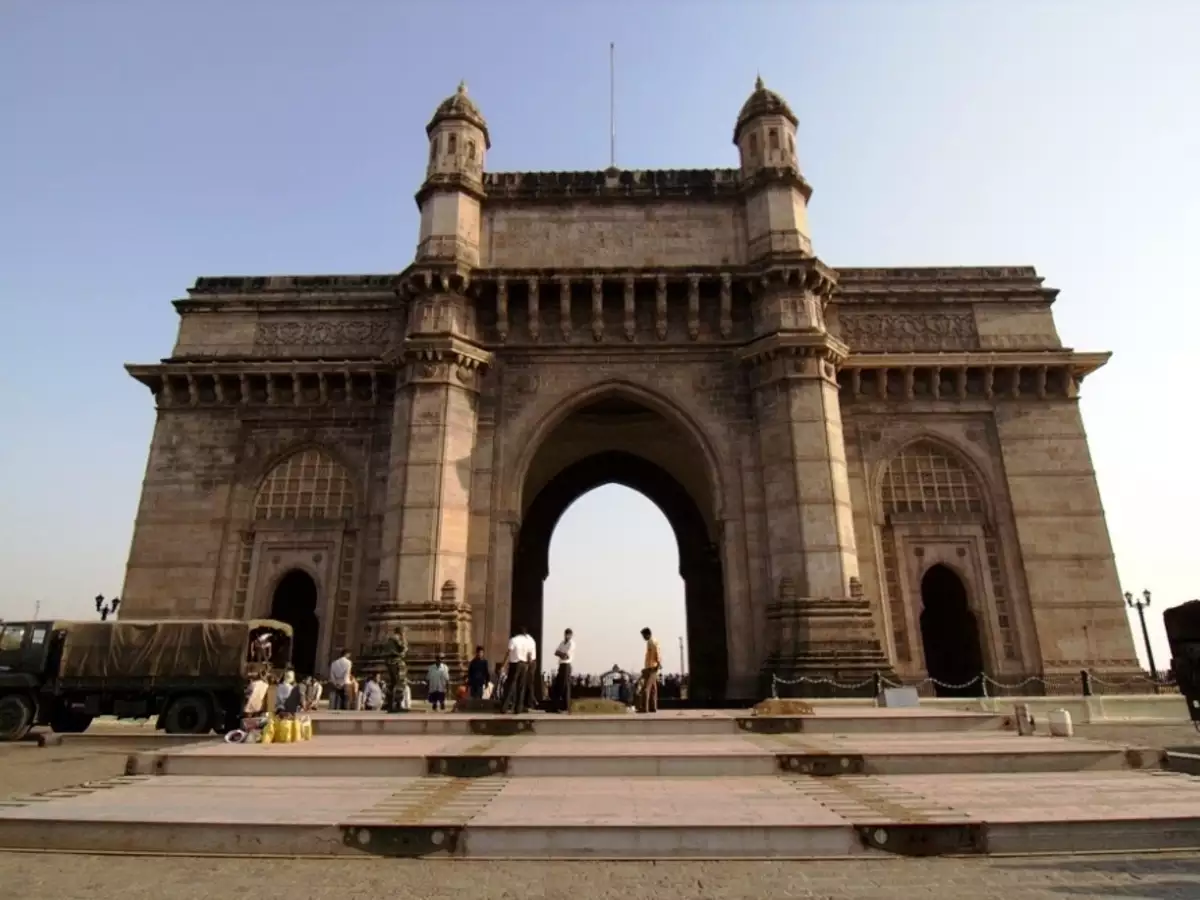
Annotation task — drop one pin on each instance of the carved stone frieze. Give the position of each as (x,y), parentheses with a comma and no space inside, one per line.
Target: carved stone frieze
(261,445)
(367,333)
(881,332)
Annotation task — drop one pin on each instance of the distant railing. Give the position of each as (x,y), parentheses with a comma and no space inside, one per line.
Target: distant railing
(1086,684)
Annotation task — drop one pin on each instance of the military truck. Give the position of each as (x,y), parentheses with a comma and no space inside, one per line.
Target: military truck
(190,674)
(1183,635)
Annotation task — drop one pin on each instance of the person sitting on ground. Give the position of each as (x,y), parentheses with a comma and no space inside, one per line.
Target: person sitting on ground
(311,693)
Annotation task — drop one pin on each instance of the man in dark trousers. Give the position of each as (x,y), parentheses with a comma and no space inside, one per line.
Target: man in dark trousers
(478,675)
(516,681)
(560,694)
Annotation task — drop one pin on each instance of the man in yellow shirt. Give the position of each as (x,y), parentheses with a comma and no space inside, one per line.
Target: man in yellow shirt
(650,669)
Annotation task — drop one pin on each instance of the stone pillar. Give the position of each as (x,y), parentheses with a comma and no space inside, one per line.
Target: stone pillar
(822,625)
(427,516)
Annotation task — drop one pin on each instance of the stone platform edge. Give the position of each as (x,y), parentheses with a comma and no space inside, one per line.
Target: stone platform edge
(878,839)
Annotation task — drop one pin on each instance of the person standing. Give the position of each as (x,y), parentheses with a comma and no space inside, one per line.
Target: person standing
(533,677)
(516,686)
(479,673)
(397,668)
(438,680)
(339,680)
(651,666)
(560,694)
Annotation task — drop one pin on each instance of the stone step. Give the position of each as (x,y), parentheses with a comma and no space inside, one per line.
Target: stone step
(591,756)
(780,816)
(824,720)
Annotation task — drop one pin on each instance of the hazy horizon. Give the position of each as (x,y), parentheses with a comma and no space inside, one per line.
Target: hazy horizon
(152,143)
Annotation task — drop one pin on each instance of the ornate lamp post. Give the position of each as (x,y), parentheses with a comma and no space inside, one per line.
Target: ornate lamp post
(107,608)
(1140,605)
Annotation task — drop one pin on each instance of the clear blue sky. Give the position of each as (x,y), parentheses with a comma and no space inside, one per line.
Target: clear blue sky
(145,143)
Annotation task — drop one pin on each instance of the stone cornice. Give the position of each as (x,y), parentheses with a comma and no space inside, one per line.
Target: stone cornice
(854,285)
(976,375)
(791,355)
(1081,364)
(612,184)
(450,182)
(640,185)
(239,383)
(942,284)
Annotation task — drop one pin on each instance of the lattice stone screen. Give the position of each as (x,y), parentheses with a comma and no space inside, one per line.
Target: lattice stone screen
(307,485)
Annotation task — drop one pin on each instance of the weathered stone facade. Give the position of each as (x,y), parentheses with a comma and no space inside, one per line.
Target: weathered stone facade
(837,450)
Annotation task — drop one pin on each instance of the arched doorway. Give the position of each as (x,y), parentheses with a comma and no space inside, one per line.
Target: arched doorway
(295,602)
(699,560)
(950,633)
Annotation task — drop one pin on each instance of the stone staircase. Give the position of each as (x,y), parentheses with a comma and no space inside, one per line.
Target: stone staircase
(843,782)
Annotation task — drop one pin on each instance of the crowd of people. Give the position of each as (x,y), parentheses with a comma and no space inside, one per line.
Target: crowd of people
(515,682)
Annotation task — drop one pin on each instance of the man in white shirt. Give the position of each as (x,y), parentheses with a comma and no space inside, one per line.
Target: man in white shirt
(560,694)
(517,688)
(339,681)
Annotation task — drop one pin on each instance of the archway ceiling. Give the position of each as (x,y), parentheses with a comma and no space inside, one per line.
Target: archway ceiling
(612,428)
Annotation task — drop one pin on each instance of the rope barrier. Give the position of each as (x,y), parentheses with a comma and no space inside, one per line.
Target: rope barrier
(1085,682)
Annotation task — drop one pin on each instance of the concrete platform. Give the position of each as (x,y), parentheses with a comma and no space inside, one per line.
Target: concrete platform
(778,816)
(824,720)
(529,755)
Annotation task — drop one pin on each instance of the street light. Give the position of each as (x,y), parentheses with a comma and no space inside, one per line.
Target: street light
(1140,606)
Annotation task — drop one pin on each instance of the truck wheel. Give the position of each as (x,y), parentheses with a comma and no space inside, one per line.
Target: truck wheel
(188,715)
(70,722)
(16,717)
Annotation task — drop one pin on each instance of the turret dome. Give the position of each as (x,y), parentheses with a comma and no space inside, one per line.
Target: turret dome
(762,102)
(458,106)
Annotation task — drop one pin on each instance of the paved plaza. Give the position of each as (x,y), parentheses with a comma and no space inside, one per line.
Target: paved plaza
(101,757)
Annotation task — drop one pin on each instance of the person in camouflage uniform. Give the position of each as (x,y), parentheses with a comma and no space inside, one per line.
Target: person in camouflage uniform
(397,667)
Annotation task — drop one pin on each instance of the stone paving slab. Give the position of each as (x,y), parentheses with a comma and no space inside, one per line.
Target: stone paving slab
(825,719)
(613,818)
(637,755)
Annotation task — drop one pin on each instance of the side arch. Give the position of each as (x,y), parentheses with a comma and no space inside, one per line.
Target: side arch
(543,427)
(929,490)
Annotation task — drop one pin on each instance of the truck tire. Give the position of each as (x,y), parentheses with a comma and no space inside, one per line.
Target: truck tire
(16,717)
(68,721)
(188,715)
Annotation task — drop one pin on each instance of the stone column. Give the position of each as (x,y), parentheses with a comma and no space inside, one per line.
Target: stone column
(822,625)
(428,508)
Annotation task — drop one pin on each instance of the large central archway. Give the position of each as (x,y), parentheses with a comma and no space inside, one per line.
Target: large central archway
(699,559)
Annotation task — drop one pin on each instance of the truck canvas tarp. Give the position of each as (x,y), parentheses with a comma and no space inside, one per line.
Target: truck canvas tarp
(165,649)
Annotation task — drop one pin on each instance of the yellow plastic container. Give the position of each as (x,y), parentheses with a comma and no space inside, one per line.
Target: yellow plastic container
(306,729)
(268,731)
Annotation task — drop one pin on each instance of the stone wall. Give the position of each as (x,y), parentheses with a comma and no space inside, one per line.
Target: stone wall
(613,235)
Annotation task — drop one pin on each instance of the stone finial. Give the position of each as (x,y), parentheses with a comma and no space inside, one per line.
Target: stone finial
(856,588)
(449,592)
(462,87)
(758,82)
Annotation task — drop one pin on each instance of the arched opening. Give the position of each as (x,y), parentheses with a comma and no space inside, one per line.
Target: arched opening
(950,634)
(620,437)
(613,570)
(295,602)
